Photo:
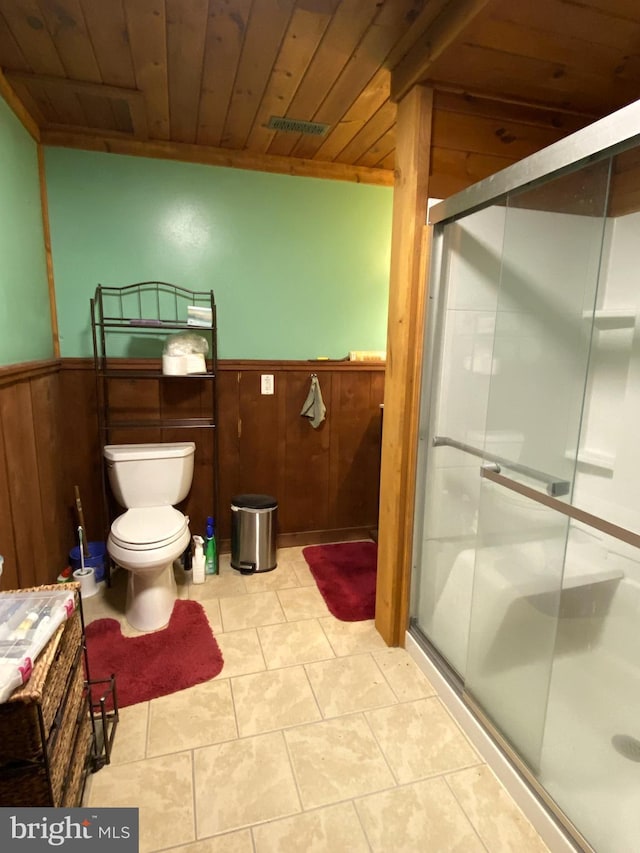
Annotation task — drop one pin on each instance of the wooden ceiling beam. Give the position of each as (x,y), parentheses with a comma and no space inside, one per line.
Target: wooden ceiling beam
(413,68)
(117,144)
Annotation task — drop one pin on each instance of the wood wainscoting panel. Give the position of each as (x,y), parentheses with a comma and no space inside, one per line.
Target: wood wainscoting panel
(228,437)
(34,539)
(55,494)
(82,452)
(354,479)
(303,499)
(325,480)
(9,579)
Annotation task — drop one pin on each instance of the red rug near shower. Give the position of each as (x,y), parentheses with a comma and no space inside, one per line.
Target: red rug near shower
(151,665)
(345,573)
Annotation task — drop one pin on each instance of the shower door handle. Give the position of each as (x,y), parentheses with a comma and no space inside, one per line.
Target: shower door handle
(601,524)
(555,485)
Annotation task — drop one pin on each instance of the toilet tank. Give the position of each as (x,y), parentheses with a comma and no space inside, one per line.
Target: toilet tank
(150,474)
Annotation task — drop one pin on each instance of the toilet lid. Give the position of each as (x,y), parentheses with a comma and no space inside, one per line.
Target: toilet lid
(148,527)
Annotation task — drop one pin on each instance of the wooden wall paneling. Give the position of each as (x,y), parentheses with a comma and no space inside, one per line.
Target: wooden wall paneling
(147,40)
(47,422)
(134,400)
(260,434)
(192,398)
(228,437)
(264,443)
(354,462)
(9,578)
(404,348)
(82,449)
(24,486)
(304,491)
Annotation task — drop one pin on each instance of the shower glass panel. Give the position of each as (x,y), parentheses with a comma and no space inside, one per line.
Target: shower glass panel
(549,276)
(526,575)
(591,746)
(454,410)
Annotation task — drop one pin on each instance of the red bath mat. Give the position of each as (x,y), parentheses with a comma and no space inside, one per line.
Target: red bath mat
(181,655)
(345,573)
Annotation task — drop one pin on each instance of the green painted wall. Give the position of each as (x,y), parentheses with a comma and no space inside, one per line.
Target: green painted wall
(299,266)
(25,317)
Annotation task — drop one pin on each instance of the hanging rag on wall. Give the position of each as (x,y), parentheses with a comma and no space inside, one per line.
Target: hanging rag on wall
(314,407)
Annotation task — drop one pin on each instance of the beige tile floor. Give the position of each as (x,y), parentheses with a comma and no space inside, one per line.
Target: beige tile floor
(314,737)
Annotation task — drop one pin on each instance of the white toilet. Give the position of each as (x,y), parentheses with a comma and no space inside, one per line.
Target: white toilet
(148,479)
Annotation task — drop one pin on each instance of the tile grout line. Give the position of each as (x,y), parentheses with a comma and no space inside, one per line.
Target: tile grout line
(464,812)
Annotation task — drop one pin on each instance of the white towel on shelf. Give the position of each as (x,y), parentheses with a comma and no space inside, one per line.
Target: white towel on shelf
(314,407)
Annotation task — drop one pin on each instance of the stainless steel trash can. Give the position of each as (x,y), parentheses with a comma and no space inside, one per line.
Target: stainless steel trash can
(254,522)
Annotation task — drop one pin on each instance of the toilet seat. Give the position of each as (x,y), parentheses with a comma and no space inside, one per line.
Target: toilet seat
(148,528)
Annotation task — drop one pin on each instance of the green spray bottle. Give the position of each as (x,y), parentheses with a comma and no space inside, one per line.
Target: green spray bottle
(210,549)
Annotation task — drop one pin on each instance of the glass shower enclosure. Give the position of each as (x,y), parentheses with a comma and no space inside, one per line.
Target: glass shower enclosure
(526,569)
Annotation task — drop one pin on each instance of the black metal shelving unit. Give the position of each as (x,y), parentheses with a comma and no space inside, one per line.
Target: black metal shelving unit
(132,322)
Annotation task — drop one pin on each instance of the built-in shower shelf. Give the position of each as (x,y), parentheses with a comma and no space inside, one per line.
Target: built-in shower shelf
(611,319)
(574,578)
(593,459)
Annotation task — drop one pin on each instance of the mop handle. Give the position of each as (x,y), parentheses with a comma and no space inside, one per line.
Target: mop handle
(83,544)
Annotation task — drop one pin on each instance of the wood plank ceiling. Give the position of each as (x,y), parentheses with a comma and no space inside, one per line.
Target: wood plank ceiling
(200,79)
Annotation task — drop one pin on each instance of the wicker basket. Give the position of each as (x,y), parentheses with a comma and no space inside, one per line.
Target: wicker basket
(45,727)
(27,716)
(72,794)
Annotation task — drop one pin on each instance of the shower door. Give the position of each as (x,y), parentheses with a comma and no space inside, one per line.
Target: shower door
(526,562)
(550,267)
(505,389)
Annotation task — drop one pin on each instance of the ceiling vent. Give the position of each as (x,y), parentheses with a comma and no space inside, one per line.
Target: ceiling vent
(294,125)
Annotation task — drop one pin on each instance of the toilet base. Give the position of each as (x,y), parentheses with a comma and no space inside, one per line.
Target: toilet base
(150,598)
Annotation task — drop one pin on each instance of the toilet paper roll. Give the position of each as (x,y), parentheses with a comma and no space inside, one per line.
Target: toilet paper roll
(174,365)
(87,581)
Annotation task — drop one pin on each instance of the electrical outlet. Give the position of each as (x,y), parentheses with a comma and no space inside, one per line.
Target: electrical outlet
(266,383)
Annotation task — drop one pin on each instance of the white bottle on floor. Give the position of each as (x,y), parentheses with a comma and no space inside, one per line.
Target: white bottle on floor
(197,563)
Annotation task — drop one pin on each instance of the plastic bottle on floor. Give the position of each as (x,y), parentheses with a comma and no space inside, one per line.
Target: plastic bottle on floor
(210,549)
(198,560)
